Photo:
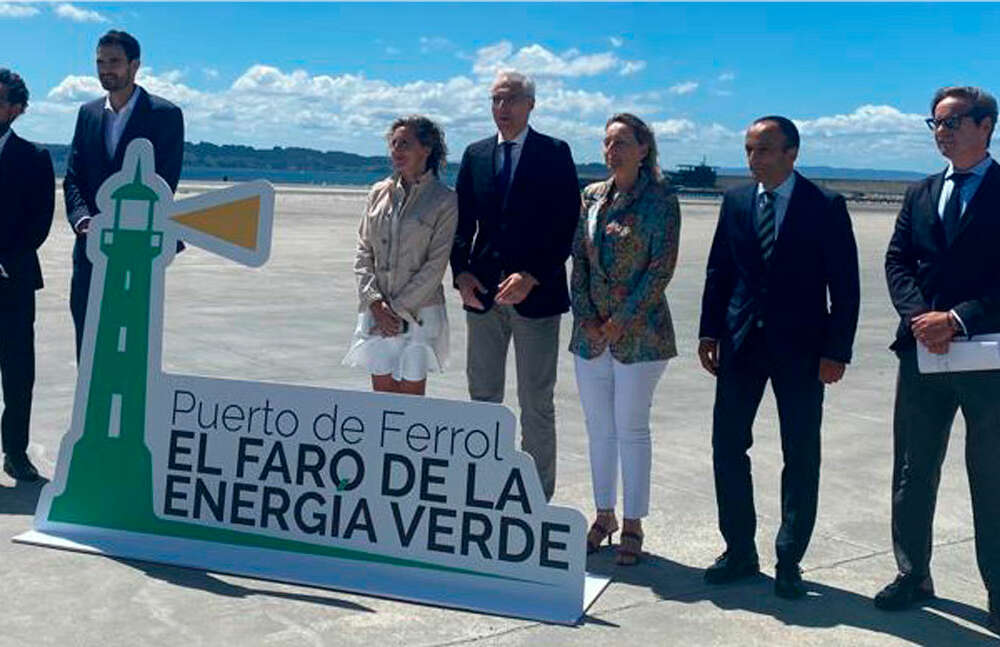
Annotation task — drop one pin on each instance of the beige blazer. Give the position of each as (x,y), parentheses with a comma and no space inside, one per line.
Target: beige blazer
(404,242)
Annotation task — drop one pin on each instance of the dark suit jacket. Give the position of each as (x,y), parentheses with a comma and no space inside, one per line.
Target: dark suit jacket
(815,254)
(532,233)
(27,191)
(925,274)
(88,165)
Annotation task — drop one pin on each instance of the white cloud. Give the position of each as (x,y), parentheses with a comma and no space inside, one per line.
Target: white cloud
(267,106)
(632,67)
(76,14)
(538,61)
(674,128)
(726,77)
(865,120)
(210,72)
(616,41)
(687,87)
(170,75)
(75,89)
(17,10)
(430,44)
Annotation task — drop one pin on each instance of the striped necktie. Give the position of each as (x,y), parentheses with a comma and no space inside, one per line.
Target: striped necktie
(765,227)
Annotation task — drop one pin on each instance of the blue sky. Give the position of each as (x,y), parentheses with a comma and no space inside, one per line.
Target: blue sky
(855,77)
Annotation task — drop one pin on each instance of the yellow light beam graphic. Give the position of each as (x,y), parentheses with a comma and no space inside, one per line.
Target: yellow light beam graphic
(235,222)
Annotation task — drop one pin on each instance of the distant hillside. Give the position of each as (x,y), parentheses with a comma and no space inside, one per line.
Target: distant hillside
(836,173)
(208,155)
(205,156)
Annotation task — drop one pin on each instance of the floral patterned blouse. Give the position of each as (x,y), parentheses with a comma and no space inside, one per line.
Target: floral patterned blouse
(624,255)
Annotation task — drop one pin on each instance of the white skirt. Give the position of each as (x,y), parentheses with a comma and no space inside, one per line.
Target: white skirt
(408,356)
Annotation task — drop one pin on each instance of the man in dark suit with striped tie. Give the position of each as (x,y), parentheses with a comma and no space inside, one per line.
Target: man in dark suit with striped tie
(781,246)
(944,280)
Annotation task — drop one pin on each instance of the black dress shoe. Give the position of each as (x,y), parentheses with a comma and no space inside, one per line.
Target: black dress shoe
(788,583)
(730,567)
(19,468)
(903,592)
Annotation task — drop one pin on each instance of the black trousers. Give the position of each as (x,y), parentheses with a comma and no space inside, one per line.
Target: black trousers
(924,412)
(79,289)
(17,367)
(739,388)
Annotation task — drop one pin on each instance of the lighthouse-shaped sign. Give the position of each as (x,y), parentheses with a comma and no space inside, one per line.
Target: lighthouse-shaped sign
(414,498)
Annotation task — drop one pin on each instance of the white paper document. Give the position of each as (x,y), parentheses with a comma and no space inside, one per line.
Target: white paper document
(978,353)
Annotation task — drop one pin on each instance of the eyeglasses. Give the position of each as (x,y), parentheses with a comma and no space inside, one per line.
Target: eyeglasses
(509,99)
(951,123)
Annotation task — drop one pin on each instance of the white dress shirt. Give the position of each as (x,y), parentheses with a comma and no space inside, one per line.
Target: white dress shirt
(115,122)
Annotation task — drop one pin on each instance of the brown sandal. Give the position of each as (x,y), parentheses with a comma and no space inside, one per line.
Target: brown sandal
(629,549)
(598,533)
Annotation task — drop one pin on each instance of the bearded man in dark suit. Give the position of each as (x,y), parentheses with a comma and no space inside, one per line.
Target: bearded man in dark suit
(781,303)
(943,272)
(27,189)
(104,128)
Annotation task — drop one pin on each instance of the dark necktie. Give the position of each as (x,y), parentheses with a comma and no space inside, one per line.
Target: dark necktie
(952,216)
(503,180)
(765,227)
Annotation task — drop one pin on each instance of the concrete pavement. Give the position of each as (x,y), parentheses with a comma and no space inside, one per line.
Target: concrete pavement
(290,321)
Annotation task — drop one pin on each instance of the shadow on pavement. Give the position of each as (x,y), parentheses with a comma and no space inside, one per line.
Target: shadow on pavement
(22,498)
(194,578)
(825,606)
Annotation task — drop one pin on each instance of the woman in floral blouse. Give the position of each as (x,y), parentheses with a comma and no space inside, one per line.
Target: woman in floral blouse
(623,257)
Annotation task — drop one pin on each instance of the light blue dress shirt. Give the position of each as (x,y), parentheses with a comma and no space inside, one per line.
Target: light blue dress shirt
(968,188)
(782,195)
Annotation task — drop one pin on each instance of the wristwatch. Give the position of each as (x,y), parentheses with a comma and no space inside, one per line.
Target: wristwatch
(955,325)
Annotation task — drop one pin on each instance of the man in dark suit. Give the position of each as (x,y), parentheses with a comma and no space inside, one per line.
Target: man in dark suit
(104,128)
(27,189)
(518,204)
(780,247)
(943,272)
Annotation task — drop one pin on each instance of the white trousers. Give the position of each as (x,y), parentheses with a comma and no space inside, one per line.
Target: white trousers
(616,399)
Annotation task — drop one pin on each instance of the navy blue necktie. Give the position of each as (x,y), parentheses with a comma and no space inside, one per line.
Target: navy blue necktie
(952,217)
(503,180)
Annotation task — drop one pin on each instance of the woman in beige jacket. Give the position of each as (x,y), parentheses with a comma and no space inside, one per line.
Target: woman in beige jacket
(404,242)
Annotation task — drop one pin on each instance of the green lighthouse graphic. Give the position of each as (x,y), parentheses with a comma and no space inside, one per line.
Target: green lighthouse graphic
(114,421)
(265,492)
(105,477)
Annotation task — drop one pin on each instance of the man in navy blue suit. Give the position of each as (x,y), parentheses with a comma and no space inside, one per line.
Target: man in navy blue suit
(782,245)
(518,205)
(27,191)
(104,128)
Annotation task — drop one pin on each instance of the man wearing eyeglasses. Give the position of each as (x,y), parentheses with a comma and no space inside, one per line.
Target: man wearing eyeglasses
(518,204)
(27,190)
(943,271)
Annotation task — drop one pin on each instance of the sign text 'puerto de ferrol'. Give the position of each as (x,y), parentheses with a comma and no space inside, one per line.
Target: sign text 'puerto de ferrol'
(413,498)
